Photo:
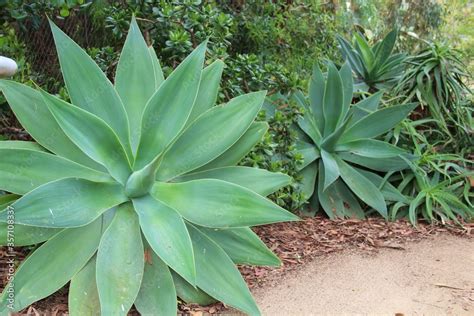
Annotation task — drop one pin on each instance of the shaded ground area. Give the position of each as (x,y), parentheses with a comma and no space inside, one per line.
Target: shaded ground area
(307,248)
(432,277)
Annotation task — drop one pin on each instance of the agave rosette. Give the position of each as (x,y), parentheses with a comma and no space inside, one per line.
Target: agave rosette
(342,157)
(134,188)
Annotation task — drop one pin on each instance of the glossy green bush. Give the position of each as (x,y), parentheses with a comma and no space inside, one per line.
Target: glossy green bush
(133,187)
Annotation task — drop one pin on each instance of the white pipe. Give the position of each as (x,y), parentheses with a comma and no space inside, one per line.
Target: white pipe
(8,67)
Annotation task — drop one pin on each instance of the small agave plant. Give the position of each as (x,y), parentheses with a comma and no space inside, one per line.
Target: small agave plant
(133,187)
(341,155)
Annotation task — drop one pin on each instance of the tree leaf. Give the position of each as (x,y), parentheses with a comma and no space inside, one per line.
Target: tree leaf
(135,79)
(166,233)
(242,245)
(52,265)
(218,276)
(219,204)
(95,138)
(88,86)
(24,170)
(210,135)
(167,111)
(157,294)
(120,263)
(260,181)
(69,203)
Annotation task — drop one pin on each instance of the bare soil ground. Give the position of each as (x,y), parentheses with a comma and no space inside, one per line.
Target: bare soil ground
(432,277)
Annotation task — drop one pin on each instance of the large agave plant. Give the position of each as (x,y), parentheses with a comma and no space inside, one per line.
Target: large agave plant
(342,158)
(133,187)
(375,67)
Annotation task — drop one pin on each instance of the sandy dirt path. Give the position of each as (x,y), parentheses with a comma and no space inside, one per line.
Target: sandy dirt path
(432,277)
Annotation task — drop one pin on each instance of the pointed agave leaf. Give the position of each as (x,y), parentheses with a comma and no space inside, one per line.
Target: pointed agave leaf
(135,79)
(157,294)
(331,170)
(332,139)
(83,294)
(308,175)
(92,135)
(69,203)
(210,135)
(228,205)
(40,275)
(389,192)
(328,198)
(385,48)
(167,111)
(362,187)
(371,148)
(348,87)
(351,206)
(240,149)
(308,124)
(309,152)
(120,263)
(242,245)
(33,114)
(377,122)
(208,89)
(363,108)
(159,77)
(18,144)
(88,86)
(260,181)
(316,96)
(219,276)
(167,235)
(24,170)
(21,235)
(189,293)
(394,163)
(7,199)
(333,100)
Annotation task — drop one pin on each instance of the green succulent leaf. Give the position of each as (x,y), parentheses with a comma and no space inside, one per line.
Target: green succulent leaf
(95,138)
(40,275)
(371,148)
(316,96)
(21,235)
(120,263)
(331,169)
(309,152)
(333,99)
(219,277)
(83,294)
(167,235)
(210,135)
(309,174)
(189,293)
(167,111)
(135,79)
(88,86)
(260,181)
(159,77)
(23,170)
(228,205)
(18,144)
(70,203)
(157,294)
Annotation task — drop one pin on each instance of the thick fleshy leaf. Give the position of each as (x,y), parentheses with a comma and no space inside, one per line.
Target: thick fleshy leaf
(88,86)
(120,263)
(166,233)
(24,170)
(383,51)
(21,235)
(52,265)
(380,164)
(210,135)
(18,144)
(218,276)
(308,181)
(190,294)
(7,199)
(333,100)
(135,79)
(328,198)
(208,89)
(350,203)
(377,122)
(362,187)
(83,295)
(159,77)
(69,203)
(243,246)
(309,151)
(332,139)
(371,148)
(169,108)
(389,192)
(95,138)
(219,204)
(365,107)
(331,170)
(308,124)
(260,181)
(157,294)
(34,115)
(316,96)
(348,87)
(240,149)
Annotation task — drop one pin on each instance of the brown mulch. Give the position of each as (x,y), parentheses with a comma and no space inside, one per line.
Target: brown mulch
(295,243)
